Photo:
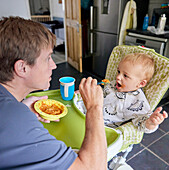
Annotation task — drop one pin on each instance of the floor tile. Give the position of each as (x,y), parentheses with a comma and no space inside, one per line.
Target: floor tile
(161,148)
(149,138)
(136,148)
(165,125)
(147,161)
(58,57)
(164,102)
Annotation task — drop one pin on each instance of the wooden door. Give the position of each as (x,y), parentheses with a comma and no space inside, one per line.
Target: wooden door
(73,33)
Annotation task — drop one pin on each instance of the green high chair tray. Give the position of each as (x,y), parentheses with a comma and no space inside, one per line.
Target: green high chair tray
(71,128)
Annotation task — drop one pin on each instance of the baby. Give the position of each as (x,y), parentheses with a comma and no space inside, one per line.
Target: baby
(124,99)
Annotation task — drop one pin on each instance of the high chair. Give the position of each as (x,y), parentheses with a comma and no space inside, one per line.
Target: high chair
(154,92)
(71,128)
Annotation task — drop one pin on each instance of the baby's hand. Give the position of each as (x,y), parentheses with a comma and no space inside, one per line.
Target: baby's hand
(157,118)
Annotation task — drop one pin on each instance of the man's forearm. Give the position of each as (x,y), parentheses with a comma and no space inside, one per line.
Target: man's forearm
(94,147)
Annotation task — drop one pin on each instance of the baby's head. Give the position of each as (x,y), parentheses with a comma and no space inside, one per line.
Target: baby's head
(134,71)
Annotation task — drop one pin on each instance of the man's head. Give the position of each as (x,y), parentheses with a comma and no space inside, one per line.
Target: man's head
(134,71)
(21,39)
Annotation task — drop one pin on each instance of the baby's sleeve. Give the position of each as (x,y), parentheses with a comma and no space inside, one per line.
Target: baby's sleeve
(140,119)
(140,122)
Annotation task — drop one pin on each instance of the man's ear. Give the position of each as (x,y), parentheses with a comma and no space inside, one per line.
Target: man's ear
(20,68)
(143,83)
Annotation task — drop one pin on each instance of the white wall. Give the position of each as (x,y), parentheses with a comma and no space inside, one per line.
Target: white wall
(14,8)
(21,8)
(56,9)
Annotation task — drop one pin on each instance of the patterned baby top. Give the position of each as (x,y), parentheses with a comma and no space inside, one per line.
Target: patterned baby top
(119,107)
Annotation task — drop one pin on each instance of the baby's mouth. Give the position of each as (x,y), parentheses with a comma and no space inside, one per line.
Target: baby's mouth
(119,86)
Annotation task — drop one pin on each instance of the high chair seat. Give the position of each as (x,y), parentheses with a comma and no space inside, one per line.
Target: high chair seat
(154,90)
(159,83)
(131,135)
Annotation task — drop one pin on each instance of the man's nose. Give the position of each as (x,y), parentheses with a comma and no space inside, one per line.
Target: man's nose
(53,65)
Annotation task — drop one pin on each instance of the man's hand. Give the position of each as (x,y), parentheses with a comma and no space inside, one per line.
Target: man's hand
(30,103)
(91,93)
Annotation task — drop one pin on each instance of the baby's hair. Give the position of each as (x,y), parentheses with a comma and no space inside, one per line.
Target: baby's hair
(145,60)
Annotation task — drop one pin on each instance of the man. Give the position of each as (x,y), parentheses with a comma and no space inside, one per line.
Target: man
(26,65)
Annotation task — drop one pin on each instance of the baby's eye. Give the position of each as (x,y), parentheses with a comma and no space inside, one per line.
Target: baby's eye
(125,75)
(118,71)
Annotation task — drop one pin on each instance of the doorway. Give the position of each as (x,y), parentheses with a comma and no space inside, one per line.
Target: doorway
(50,13)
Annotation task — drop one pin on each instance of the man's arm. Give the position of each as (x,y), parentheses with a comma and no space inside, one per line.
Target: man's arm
(93,153)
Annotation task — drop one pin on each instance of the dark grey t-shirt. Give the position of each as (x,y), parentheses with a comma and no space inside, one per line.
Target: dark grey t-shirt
(25,143)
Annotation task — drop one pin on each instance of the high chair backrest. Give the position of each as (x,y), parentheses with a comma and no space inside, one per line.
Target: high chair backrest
(159,83)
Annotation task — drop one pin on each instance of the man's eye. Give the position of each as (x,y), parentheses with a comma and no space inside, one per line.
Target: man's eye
(49,58)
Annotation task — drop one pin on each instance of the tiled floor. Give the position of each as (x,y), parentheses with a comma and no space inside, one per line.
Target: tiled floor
(153,152)
(58,57)
(59,54)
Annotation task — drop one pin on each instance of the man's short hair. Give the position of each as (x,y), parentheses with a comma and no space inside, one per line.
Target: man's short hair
(21,39)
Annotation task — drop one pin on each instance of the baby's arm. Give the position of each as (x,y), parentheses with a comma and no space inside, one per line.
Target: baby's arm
(155,119)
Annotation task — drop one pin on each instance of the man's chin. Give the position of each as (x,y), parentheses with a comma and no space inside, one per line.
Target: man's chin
(46,87)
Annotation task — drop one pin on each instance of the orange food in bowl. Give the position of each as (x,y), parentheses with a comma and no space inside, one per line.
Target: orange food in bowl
(50,109)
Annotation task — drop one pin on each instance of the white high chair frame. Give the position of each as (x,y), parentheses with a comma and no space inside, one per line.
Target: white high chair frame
(154,92)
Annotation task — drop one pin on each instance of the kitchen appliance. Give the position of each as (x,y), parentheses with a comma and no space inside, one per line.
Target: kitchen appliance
(156,43)
(105,19)
(103,32)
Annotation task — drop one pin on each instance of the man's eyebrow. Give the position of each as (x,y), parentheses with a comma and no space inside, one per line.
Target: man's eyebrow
(50,53)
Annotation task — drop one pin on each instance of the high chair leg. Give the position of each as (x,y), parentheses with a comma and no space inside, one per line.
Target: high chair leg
(119,162)
(129,149)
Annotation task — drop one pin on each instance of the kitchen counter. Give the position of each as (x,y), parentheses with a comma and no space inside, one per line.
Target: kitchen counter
(148,33)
